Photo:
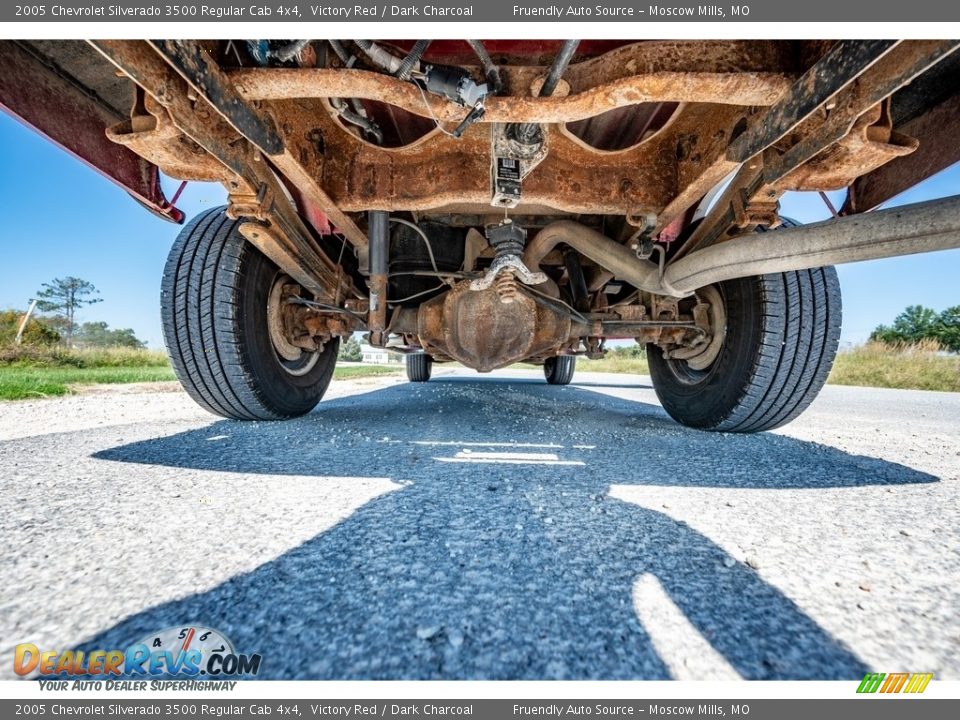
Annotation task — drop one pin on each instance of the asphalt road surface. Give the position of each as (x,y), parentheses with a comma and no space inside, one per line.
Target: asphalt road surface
(490,527)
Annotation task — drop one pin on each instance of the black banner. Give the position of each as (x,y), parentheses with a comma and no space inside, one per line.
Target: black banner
(618,11)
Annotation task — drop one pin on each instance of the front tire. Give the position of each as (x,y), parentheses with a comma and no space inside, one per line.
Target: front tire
(419,367)
(559,370)
(215,298)
(782,333)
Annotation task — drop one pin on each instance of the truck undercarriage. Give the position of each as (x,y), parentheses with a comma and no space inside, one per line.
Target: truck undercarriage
(503,201)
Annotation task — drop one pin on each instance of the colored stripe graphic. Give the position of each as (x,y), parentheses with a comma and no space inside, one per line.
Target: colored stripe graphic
(918,683)
(895,682)
(871,682)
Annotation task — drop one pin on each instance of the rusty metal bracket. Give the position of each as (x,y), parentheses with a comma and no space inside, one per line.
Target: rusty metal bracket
(47,99)
(206,78)
(936,132)
(766,175)
(195,65)
(289,244)
(845,61)
(747,212)
(883,79)
(259,206)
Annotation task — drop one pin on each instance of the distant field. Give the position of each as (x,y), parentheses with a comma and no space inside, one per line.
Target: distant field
(22,383)
(356,371)
(615,362)
(32,373)
(911,367)
(44,372)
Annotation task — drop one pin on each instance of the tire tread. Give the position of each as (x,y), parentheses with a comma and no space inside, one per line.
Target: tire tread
(201,296)
(798,314)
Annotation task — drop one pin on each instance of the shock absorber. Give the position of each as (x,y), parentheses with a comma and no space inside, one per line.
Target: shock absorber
(508,239)
(507,268)
(378,229)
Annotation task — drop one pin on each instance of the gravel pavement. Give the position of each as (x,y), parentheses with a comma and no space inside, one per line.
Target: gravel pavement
(490,527)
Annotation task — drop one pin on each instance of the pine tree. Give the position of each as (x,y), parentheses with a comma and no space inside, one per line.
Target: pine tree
(64,296)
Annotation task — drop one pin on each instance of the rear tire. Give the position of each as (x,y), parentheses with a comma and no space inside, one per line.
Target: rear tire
(782,333)
(559,370)
(214,304)
(419,367)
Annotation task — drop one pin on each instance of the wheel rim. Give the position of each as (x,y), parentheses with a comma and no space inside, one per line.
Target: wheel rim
(692,366)
(294,360)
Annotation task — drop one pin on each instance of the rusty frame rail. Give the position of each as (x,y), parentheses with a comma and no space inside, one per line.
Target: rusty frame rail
(287,240)
(729,88)
(753,73)
(752,196)
(206,78)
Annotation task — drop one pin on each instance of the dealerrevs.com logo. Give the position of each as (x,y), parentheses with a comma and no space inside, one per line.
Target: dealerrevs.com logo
(191,651)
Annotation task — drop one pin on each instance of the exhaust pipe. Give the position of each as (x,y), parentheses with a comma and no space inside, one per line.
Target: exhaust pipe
(906,230)
(607,253)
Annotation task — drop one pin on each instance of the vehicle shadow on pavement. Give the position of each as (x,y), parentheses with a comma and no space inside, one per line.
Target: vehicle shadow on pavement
(495,559)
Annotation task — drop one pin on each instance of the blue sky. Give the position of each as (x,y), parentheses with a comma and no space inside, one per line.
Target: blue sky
(62,218)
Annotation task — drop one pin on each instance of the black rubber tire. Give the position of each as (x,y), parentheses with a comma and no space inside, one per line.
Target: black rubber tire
(559,370)
(782,335)
(419,367)
(214,310)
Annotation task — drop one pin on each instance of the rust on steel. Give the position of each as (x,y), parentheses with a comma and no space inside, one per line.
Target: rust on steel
(936,132)
(753,73)
(275,245)
(151,133)
(731,88)
(441,172)
(829,150)
(194,64)
(472,327)
(291,249)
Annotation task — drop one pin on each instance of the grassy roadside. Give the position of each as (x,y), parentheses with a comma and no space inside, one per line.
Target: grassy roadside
(904,367)
(349,372)
(41,372)
(907,367)
(35,373)
(22,383)
(27,373)
(615,362)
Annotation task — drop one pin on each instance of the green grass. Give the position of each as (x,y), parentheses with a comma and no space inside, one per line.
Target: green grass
(615,362)
(27,372)
(910,367)
(35,372)
(905,367)
(19,382)
(349,372)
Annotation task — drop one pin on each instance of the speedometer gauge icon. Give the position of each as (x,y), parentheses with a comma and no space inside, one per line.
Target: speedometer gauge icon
(182,639)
